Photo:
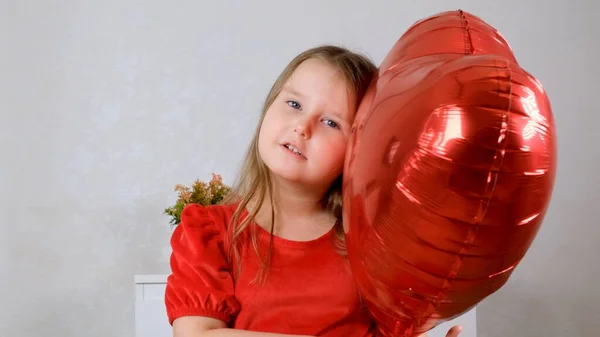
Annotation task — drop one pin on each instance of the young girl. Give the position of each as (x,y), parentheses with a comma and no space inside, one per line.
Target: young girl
(270,260)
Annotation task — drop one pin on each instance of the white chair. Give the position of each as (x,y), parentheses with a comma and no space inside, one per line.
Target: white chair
(151,318)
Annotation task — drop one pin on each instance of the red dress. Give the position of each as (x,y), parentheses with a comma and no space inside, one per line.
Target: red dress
(309,289)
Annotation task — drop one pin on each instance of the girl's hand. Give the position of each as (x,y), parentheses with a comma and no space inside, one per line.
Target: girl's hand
(453,332)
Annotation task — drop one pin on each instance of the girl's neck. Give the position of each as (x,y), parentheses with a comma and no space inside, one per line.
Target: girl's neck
(297,200)
(297,210)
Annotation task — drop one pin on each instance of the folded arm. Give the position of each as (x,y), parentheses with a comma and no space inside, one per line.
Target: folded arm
(197,326)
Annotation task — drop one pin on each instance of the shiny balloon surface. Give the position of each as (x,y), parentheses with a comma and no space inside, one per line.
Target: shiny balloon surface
(448,175)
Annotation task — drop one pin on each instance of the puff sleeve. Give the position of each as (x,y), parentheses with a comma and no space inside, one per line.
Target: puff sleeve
(201,282)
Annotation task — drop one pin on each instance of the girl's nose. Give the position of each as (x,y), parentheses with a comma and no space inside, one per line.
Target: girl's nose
(303,128)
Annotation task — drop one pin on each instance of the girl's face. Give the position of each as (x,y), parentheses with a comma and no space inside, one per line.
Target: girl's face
(305,131)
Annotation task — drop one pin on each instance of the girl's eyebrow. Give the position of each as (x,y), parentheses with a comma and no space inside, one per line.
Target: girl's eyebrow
(292,91)
(339,116)
(289,89)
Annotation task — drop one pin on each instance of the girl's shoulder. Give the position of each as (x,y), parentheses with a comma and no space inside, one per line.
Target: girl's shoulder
(201,283)
(213,216)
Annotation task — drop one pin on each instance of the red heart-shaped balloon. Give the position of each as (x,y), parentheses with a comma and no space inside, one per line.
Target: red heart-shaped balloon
(448,175)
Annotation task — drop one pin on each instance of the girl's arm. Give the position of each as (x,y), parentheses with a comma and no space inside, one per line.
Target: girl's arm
(197,326)
(453,332)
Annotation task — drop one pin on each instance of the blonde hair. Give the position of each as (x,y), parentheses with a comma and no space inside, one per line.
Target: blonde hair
(254,178)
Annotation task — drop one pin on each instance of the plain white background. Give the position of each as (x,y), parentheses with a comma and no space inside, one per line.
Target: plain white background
(107,104)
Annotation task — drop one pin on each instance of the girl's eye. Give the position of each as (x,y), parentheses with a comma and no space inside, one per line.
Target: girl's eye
(294,104)
(331,123)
